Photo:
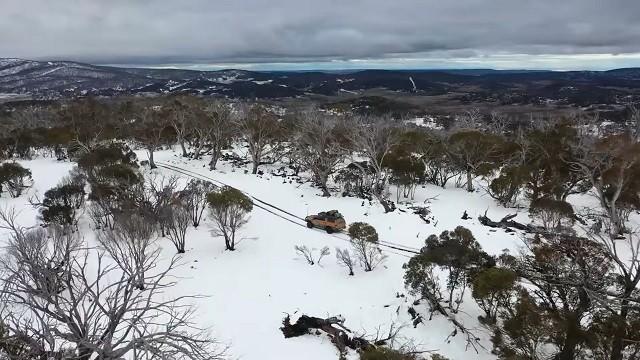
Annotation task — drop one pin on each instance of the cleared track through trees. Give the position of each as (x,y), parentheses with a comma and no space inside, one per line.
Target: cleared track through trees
(300,221)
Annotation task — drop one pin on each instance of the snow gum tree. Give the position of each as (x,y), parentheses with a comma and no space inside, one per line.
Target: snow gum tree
(262,131)
(221,128)
(150,127)
(318,146)
(14,178)
(373,138)
(364,241)
(229,209)
(475,152)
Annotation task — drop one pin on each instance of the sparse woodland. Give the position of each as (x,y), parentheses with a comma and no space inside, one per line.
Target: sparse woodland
(570,292)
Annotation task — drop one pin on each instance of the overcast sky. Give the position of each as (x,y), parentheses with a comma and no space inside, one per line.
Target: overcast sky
(326,34)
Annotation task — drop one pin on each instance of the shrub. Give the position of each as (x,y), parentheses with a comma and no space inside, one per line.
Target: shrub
(229,208)
(506,187)
(364,240)
(553,214)
(384,353)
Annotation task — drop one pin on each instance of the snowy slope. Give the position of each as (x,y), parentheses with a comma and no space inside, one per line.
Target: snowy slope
(249,291)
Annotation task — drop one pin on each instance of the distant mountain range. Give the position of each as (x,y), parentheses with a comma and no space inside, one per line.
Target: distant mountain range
(54,79)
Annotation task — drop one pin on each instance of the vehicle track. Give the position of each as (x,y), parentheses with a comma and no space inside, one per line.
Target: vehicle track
(257,203)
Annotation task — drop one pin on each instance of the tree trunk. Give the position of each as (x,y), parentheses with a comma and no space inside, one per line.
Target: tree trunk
(469,181)
(255,167)
(323,185)
(616,223)
(152,163)
(214,160)
(620,331)
(184,149)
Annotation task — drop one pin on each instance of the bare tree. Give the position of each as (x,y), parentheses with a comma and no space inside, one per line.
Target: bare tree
(619,300)
(131,243)
(160,194)
(470,120)
(177,223)
(100,313)
(307,253)
(318,145)
(611,164)
(344,259)
(262,132)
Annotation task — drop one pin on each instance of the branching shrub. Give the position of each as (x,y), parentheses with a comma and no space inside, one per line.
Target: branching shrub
(229,209)
(344,259)
(364,240)
(308,254)
(553,214)
(506,187)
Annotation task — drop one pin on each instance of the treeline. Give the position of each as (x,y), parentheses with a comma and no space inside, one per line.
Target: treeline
(543,161)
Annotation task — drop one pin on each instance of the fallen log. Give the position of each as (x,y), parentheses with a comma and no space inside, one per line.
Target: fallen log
(509,225)
(340,335)
(506,222)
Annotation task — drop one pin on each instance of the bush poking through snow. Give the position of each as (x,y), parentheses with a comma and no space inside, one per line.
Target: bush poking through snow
(553,214)
(323,252)
(308,254)
(364,240)
(344,259)
(229,209)
(14,178)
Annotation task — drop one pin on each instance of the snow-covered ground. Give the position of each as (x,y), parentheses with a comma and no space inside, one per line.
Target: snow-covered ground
(249,291)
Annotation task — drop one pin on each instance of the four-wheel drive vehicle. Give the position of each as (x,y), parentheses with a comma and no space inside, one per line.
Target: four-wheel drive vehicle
(330,221)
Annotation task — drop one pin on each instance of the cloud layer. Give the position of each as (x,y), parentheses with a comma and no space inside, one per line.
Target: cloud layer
(303,31)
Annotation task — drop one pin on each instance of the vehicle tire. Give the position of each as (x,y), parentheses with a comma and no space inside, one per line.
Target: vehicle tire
(309,224)
(329,230)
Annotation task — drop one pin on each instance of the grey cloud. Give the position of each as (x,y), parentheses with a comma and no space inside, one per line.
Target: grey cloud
(210,31)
